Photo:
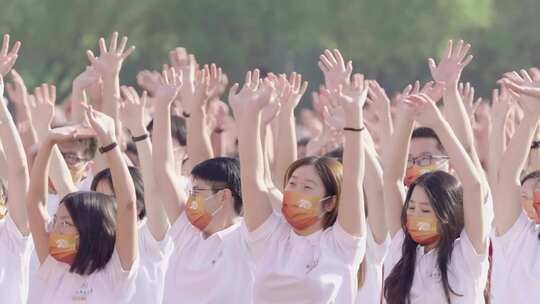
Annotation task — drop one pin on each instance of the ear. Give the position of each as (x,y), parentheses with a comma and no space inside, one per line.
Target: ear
(330,203)
(226,195)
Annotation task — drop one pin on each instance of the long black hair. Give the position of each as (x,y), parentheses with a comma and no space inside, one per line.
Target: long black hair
(94,216)
(136,175)
(445,195)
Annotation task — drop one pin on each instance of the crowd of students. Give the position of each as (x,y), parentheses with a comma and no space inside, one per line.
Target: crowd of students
(176,196)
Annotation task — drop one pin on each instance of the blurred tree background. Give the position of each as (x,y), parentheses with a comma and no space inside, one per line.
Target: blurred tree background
(389,40)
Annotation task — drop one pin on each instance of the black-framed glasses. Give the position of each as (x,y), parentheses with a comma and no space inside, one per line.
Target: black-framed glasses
(194,191)
(425,160)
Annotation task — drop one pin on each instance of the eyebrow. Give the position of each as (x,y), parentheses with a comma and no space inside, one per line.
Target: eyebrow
(421,203)
(306,180)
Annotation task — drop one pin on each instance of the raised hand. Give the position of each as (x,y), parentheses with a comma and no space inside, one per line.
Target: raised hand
(449,69)
(7,57)
(17,91)
(132,110)
(526,85)
(425,111)
(42,109)
(86,79)
(335,71)
(109,62)
(149,80)
(213,78)
(170,85)
(294,90)
(467,95)
(69,133)
(102,124)
(253,96)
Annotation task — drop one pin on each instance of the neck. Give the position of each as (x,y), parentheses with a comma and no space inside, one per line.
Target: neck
(309,230)
(220,222)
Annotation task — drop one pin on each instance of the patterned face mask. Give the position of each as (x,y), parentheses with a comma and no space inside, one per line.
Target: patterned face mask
(423,229)
(301,210)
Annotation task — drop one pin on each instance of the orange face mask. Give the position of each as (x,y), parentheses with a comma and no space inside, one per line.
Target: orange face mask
(197,214)
(532,207)
(415,171)
(301,210)
(63,247)
(423,229)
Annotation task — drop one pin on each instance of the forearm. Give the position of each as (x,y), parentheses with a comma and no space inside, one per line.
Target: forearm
(59,171)
(351,213)
(254,191)
(78,98)
(199,146)
(36,204)
(157,220)
(18,179)
(164,164)
(375,197)
(286,151)
(274,194)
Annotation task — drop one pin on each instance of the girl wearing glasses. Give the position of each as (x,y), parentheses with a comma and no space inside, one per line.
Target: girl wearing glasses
(89,253)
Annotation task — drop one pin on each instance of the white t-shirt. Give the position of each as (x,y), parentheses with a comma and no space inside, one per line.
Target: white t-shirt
(55,284)
(370,292)
(14,262)
(154,258)
(213,270)
(515,275)
(467,272)
(319,268)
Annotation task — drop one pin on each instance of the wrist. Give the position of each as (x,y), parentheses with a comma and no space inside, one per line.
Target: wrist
(138,130)
(107,139)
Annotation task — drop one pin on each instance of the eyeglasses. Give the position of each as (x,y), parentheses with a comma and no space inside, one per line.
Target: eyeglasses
(425,160)
(195,191)
(61,224)
(72,158)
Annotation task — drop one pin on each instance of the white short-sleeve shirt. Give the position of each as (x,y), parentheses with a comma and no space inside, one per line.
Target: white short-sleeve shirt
(154,258)
(370,292)
(319,268)
(515,276)
(467,272)
(111,285)
(217,269)
(14,262)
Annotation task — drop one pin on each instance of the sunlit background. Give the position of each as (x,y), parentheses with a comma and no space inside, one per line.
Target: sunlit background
(389,40)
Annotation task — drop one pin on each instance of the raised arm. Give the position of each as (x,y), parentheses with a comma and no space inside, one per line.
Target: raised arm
(36,203)
(132,113)
(351,213)
(42,116)
(394,164)
(427,114)
(507,210)
(172,197)
(78,93)
(501,104)
(108,65)
(247,106)
(448,71)
(126,201)
(17,169)
(286,151)
(194,95)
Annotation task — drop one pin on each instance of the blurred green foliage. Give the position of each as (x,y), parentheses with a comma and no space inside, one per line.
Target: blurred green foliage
(389,40)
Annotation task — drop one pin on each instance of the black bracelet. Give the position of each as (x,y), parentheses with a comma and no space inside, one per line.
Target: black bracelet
(139,138)
(186,115)
(535,144)
(354,129)
(107,148)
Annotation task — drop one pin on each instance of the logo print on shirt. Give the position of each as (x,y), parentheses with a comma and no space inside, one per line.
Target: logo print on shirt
(423,226)
(82,294)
